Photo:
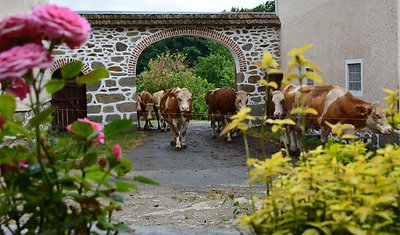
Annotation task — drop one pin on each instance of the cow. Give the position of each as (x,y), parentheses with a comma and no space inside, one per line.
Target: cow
(176,109)
(333,104)
(218,119)
(157,99)
(223,103)
(145,108)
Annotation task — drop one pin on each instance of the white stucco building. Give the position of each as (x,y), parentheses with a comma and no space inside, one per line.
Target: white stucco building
(8,7)
(355,43)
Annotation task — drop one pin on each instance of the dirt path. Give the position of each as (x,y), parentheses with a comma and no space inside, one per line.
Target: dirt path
(194,182)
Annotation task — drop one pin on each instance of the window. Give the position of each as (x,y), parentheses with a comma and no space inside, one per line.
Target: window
(354,77)
(309,81)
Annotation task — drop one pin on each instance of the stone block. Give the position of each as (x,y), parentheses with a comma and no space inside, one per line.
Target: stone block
(113,117)
(92,109)
(126,82)
(109,98)
(126,107)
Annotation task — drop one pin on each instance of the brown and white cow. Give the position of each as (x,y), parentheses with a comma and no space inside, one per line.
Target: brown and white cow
(176,109)
(145,107)
(333,104)
(223,103)
(160,119)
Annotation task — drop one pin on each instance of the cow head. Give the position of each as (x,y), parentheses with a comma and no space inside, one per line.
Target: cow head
(184,99)
(376,120)
(241,100)
(278,99)
(149,110)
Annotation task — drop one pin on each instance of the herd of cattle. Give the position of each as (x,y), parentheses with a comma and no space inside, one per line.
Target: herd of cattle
(173,109)
(334,104)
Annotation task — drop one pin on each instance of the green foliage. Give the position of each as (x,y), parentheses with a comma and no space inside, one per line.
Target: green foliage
(190,46)
(268,6)
(218,68)
(169,71)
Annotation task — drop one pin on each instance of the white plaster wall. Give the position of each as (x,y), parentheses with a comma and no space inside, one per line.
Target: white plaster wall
(342,30)
(13,6)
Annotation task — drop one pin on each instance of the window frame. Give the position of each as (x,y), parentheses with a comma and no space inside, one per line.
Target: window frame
(307,80)
(350,62)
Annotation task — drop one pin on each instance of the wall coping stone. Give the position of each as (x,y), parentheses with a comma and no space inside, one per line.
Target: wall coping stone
(182,19)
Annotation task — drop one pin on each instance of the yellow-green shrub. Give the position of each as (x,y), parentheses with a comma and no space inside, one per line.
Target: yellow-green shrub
(334,189)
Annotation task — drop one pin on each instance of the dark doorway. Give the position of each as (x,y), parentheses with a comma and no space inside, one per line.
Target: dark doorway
(70,103)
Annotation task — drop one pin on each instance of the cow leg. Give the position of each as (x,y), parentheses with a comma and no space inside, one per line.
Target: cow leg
(138,120)
(157,112)
(175,131)
(324,134)
(293,144)
(213,135)
(228,134)
(183,133)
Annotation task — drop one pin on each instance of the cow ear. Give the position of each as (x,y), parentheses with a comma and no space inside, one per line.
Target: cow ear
(363,110)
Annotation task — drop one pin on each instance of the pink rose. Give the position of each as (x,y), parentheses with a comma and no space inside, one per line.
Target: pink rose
(117,150)
(96,127)
(17,61)
(60,23)
(22,164)
(19,88)
(17,30)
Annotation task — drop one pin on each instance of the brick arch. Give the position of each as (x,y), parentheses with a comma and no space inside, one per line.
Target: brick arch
(61,62)
(233,47)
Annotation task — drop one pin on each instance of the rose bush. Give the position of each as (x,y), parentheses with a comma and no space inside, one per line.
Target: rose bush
(47,185)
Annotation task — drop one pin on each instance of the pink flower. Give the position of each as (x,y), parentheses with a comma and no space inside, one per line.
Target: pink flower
(22,164)
(17,30)
(117,150)
(19,88)
(17,61)
(60,23)
(96,127)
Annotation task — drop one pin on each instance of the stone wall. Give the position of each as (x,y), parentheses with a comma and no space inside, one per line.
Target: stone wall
(118,47)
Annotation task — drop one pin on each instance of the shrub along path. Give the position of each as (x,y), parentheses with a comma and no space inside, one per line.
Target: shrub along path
(194,182)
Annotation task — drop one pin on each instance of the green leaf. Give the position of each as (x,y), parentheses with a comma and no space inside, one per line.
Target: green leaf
(93,76)
(116,127)
(104,224)
(89,159)
(72,69)
(145,180)
(123,167)
(123,186)
(68,184)
(311,231)
(54,85)
(42,117)
(7,106)
(82,129)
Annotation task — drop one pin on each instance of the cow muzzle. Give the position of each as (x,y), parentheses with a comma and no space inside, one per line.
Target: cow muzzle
(185,109)
(277,114)
(386,130)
